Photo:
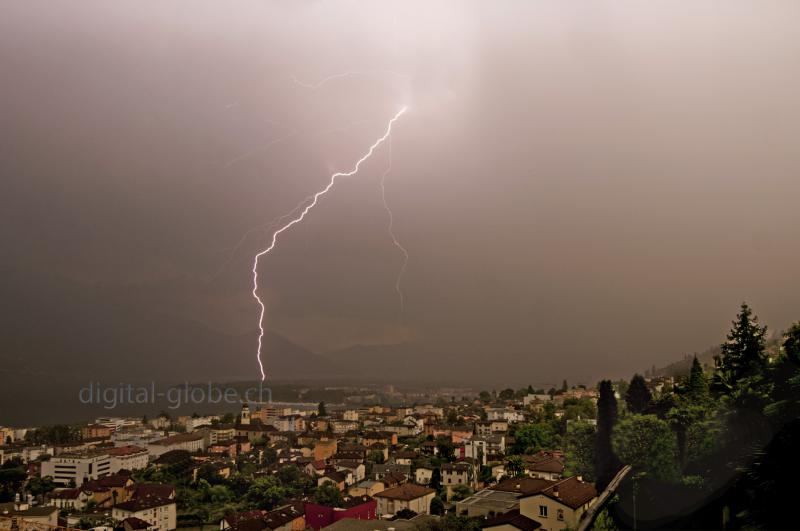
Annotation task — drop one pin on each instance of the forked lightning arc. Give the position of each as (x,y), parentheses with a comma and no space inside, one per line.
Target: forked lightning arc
(313,202)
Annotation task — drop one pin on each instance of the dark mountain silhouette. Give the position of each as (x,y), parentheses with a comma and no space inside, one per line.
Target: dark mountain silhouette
(59,335)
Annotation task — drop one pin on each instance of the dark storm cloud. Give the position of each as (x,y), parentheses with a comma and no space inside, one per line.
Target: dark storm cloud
(585,190)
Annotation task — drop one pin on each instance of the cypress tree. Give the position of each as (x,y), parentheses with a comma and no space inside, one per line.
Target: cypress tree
(638,396)
(606,462)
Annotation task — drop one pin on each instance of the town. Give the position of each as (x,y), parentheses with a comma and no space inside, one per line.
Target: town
(494,460)
(572,457)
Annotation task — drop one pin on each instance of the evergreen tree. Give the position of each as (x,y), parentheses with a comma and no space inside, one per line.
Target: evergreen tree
(697,386)
(791,344)
(564,387)
(606,462)
(321,411)
(742,355)
(638,396)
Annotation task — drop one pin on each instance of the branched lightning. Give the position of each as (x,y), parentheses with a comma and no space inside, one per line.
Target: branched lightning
(266,228)
(332,77)
(298,219)
(263,147)
(390,228)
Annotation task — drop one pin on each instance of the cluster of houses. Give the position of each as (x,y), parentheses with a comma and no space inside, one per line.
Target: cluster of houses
(387,463)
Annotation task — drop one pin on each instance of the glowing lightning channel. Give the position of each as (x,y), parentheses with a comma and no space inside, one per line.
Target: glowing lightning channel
(390,228)
(300,218)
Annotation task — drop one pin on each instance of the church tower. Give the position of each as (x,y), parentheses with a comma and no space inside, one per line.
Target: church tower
(245,414)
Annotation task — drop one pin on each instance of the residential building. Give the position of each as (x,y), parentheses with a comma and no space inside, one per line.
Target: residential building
(75,499)
(423,475)
(128,458)
(406,496)
(156,511)
(545,465)
(191,442)
(500,498)
(29,517)
(457,474)
(96,430)
(325,448)
(559,506)
(366,488)
(75,469)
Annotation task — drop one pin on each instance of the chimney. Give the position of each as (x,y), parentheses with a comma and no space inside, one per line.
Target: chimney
(555,491)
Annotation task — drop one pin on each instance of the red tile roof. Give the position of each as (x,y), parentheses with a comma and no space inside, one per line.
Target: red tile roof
(406,492)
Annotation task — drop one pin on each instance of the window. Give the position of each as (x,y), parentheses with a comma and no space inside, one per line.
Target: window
(560,514)
(543,511)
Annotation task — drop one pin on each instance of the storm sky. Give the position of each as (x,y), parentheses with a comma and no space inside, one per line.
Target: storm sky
(585,189)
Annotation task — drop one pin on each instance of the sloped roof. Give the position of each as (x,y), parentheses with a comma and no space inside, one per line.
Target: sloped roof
(406,492)
(514,519)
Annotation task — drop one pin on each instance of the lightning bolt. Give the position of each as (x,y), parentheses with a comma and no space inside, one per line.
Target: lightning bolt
(390,228)
(298,219)
(233,251)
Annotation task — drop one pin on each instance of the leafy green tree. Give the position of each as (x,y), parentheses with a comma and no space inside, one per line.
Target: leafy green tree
(219,494)
(40,485)
(445,448)
(507,394)
(703,440)
(292,478)
(515,466)
(485,396)
(377,456)
(452,416)
(680,420)
(549,410)
(266,493)
(648,444)
(328,494)
(583,408)
(531,438)
(461,492)
(580,448)
(638,396)
(742,355)
(606,462)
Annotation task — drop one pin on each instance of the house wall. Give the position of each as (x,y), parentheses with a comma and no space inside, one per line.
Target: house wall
(66,469)
(423,476)
(136,461)
(530,507)
(421,505)
(163,516)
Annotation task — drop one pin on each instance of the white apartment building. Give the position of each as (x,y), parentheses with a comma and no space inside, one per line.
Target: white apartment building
(128,458)
(191,442)
(158,512)
(77,468)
